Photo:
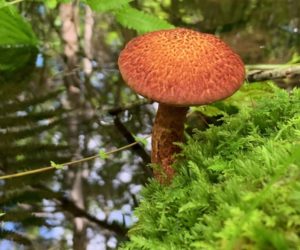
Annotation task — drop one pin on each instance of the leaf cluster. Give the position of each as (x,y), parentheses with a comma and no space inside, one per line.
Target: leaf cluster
(130,17)
(237,185)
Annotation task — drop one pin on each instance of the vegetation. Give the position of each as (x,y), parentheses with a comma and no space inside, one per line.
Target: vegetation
(62,100)
(237,187)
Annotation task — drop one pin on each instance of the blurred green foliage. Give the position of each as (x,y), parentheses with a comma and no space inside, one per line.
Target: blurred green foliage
(18,44)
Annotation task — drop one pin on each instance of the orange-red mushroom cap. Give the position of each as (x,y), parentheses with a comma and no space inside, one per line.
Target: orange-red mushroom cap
(181,67)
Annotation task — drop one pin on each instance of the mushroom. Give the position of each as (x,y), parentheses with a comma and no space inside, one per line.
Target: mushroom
(178,68)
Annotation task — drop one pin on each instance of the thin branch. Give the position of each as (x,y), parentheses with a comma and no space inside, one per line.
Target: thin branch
(272,72)
(70,163)
(117,110)
(126,133)
(17,237)
(137,148)
(69,206)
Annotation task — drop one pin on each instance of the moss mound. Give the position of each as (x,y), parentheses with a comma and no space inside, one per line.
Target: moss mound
(237,187)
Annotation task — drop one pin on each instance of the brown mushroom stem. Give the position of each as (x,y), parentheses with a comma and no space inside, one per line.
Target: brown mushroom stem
(168,128)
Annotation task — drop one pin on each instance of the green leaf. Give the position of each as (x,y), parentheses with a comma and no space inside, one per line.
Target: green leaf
(105,5)
(189,206)
(14,30)
(2,214)
(18,43)
(57,166)
(51,4)
(141,140)
(217,167)
(102,154)
(130,17)
(140,21)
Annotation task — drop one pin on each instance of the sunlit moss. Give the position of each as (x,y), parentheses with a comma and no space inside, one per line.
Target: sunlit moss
(237,185)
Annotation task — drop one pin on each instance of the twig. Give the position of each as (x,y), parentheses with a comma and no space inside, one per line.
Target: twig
(69,206)
(272,72)
(70,163)
(138,148)
(117,110)
(126,133)
(72,208)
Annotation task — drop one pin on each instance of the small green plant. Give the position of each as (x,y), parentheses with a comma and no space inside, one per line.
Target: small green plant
(102,154)
(55,165)
(237,185)
(141,140)
(128,16)
(17,38)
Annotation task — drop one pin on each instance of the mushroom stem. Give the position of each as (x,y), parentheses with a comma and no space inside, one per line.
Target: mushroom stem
(168,128)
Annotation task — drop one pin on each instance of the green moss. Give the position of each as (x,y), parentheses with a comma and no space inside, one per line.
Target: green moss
(237,187)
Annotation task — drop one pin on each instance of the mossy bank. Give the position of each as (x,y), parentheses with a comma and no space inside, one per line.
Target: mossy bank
(237,184)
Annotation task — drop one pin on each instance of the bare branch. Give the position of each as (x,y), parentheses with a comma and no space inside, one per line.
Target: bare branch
(273,72)
(69,206)
(117,110)
(137,148)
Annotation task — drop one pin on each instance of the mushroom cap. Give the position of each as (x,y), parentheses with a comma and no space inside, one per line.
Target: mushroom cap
(181,67)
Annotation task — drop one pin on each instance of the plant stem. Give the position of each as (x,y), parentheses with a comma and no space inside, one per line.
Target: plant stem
(70,163)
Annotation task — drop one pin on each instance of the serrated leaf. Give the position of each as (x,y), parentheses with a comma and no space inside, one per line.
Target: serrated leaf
(217,167)
(140,21)
(188,206)
(57,166)
(102,154)
(105,5)
(141,140)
